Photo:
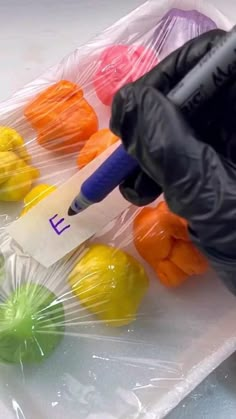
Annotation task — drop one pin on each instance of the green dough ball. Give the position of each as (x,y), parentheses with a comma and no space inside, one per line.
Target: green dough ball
(31,324)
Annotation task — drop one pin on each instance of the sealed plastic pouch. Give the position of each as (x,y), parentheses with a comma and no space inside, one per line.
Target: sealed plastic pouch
(128,323)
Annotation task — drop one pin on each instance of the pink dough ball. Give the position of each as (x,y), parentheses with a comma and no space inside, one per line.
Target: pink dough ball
(119,65)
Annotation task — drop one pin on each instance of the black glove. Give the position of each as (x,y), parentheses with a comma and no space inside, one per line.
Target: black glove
(192,162)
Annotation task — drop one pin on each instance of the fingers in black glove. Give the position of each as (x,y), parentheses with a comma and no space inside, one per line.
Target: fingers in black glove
(140,189)
(169,154)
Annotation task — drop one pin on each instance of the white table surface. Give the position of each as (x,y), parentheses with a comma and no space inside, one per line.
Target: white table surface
(35,34)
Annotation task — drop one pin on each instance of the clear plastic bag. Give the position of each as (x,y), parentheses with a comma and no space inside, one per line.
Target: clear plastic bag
(97,335)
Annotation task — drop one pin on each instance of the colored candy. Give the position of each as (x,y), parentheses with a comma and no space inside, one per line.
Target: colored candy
(36,194)
(96,144)
(31,324)
(62,117)
(109,283)
(11,140)
(16,175)
(119,65)
(162,239)
(179,26)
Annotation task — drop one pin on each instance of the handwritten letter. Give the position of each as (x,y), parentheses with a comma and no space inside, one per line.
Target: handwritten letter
(58,224)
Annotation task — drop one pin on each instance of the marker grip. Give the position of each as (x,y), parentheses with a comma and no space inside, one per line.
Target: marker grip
(117,167)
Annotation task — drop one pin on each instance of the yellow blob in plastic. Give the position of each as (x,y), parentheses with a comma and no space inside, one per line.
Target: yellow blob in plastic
(36,194)
(8,163)
(16,175)
(10,140)
(110,283)
(19,182)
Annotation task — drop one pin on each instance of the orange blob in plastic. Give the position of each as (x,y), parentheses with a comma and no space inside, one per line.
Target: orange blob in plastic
(150,238)
(162,239)
(169,274)
(96,144)
(188,258)
(62,117)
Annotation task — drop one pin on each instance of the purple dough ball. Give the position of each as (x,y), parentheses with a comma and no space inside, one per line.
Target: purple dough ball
(177,27)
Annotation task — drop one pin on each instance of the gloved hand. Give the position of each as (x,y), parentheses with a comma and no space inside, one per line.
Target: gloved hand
(192,162)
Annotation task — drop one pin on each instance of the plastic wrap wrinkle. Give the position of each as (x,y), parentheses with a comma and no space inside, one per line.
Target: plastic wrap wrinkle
(104,332)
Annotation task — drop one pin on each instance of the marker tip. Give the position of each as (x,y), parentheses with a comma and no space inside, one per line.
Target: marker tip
(71,212)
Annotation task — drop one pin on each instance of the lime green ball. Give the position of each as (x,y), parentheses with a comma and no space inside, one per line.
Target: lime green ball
(31,324)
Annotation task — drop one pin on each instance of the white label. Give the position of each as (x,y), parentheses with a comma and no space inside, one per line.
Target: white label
(47,233)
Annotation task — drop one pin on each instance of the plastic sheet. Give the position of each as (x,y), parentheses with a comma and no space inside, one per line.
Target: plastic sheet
(104,333)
